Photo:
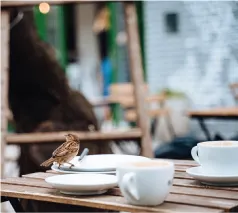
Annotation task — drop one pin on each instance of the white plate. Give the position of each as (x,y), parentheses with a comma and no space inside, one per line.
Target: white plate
(216,180)
(82,184)
(99,163)
(70,171)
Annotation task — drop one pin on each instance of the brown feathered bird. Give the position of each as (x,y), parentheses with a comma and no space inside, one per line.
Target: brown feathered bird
(64,153)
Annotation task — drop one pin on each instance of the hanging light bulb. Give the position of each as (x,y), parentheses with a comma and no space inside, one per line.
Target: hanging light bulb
(44,7)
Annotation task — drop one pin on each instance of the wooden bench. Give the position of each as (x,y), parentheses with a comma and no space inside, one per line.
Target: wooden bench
(28,138)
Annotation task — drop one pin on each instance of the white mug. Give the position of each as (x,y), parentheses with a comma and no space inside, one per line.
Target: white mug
(217,157)
(145,183)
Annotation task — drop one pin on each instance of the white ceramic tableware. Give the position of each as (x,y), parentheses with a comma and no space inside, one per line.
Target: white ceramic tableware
(82,184)
(217,157)
(145,183)
(216,180)
(70,171)
(101,162)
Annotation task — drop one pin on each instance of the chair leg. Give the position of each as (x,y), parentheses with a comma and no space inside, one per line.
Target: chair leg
(154,125)
(170,126)
(168,120)
(205,129)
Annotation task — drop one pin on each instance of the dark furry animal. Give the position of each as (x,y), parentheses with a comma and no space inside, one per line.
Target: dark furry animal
(40,97)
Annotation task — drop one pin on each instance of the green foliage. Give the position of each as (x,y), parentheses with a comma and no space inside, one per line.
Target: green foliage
(173,94)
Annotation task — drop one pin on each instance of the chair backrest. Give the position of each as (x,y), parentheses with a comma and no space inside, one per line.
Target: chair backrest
(123,93)
(124,89)
(234,90)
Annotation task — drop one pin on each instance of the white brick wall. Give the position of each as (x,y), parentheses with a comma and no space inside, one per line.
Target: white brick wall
(165,54)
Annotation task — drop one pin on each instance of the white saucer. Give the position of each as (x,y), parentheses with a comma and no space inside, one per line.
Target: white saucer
(101,162)
(213,180)
(70,171)
(83,184)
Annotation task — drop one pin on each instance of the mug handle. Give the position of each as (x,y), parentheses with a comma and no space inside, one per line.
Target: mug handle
(194,153)
(128,185)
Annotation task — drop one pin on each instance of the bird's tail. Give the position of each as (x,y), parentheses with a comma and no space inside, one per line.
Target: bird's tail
(48,162)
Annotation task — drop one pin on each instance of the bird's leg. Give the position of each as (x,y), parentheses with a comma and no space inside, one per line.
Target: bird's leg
(71,165)
(59,165)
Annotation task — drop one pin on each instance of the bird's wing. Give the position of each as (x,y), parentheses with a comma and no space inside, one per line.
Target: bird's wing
(65,149)
(61,153)
(65,153)
(60,149)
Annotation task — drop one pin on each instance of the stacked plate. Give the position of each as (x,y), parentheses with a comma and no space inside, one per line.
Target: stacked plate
(103,164)
(95,174)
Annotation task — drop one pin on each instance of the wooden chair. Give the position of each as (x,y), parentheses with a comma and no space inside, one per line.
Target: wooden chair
(123,93)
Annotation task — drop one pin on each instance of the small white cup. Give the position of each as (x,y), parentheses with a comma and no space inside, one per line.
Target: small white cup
(146,183)
(217,157)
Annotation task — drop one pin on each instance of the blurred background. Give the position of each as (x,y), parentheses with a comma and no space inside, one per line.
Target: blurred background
(189,53)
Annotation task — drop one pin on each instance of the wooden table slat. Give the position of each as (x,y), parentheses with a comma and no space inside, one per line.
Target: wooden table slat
(42,175)
(194,200)
(38,175)
(181,162)
(116,203)
(181,179)
(177,168)
(196,184)
(176,189)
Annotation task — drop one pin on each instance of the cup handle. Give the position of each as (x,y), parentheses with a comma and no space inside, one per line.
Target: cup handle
(194,153)
(128,185)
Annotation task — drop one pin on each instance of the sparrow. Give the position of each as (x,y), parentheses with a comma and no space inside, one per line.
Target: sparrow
(64,153)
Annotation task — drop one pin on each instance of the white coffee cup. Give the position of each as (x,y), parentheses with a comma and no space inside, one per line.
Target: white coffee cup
(145,183)
(217,157)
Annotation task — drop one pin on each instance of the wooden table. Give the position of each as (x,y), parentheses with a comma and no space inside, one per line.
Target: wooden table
(228,113)
(187,195)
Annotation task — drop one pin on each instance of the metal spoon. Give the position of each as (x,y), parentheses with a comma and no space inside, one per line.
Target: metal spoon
(83,154)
